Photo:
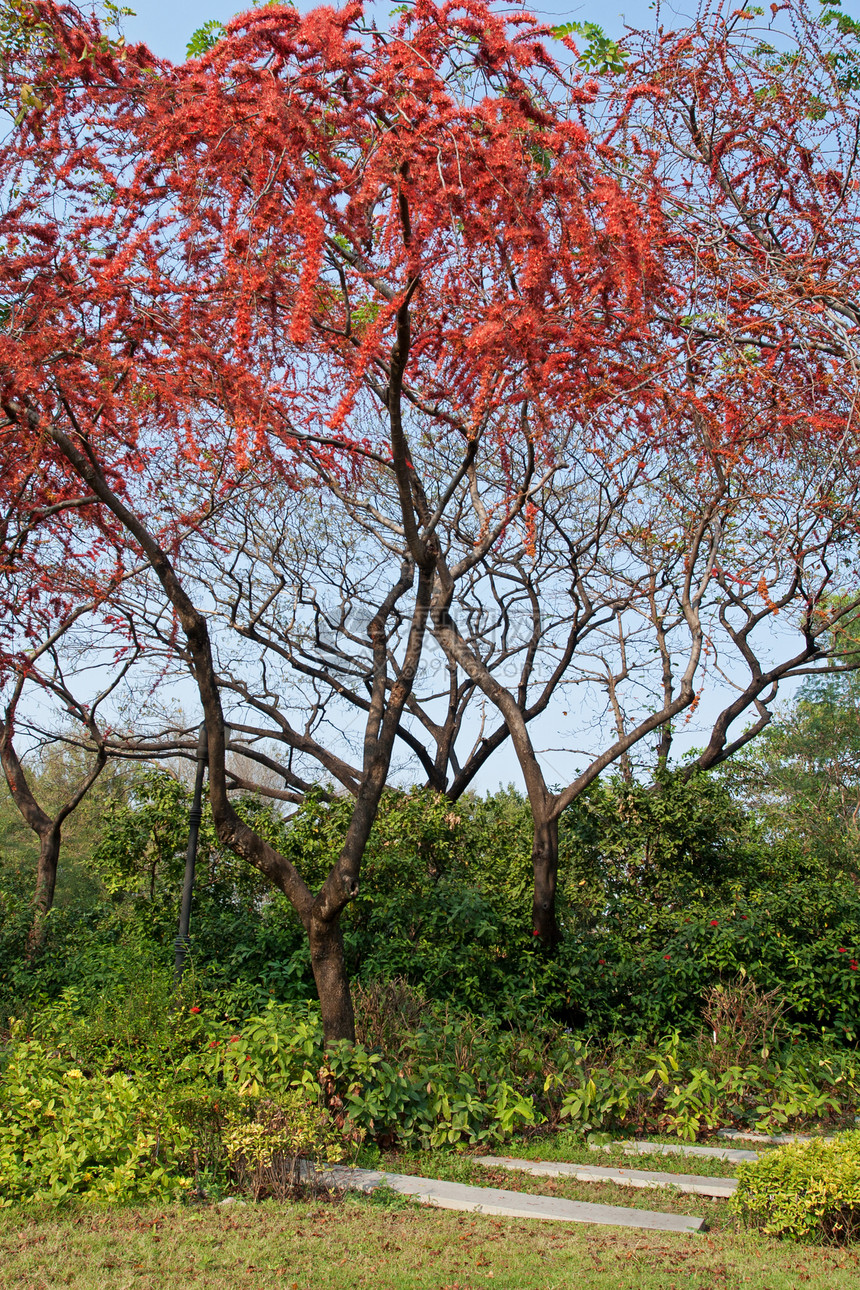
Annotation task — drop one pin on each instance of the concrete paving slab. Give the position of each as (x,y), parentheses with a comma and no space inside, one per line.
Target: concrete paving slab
(690,1183)
(505,1204)
(639,1147)
(773,1139)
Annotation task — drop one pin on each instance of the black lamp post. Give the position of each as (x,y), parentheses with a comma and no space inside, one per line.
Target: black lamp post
(194,817)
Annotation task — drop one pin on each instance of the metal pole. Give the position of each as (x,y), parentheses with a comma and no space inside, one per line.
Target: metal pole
(194,817)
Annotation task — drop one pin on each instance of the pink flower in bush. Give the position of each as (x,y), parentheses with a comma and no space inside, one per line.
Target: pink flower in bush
(234,1039)
(853,965)
(667,956)
(193,1009)
(601,960)
(214,1043)
(714,922)
(842,950)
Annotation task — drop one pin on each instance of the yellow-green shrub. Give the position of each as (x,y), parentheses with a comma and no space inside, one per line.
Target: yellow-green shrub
(265,1140)
(804,1191)
(100,1138)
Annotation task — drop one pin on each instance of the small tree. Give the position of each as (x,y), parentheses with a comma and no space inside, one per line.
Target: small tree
(47,645)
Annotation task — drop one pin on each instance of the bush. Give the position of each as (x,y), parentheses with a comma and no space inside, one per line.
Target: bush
(450,1077)
(100,1138)
(664,894)
(743,1022)
(670,1089)
(451,1082)
(266,1141)
(221,1096)
(808,1191)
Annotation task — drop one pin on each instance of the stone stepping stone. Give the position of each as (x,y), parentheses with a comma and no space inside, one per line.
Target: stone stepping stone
(691,1183)
(504,1204)
(734,1155)
(775,1139)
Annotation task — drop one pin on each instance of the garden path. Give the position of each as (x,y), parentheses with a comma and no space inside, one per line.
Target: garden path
(506,1204)
(518,1204)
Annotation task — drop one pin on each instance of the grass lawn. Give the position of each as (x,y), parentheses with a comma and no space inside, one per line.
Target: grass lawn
(384,1245)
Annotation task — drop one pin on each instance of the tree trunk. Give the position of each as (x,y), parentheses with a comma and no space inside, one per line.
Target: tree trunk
(46,881)
(545,865)
(332,982)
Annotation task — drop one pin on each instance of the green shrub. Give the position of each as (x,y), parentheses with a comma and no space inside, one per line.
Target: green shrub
(451,1082)
(223,1096)
(125,1014)
(665,892)
(450,1077)
(806,1191)
(65,1133)
(669,1089)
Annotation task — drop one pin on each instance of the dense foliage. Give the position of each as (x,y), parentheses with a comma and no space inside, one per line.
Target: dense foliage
(805,1191)
(144,1094)
(667,891)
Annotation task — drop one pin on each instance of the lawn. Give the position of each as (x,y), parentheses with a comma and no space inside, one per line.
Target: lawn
(387,1246)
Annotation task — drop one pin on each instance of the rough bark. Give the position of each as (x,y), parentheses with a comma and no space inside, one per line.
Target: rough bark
(329,968)
(46,882)
(545,866)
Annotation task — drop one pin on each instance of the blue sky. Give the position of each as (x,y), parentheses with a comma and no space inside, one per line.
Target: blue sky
(166,26)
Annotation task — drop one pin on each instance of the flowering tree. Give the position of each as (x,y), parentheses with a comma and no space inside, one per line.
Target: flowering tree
(597,344)
(314,255)
(757,127)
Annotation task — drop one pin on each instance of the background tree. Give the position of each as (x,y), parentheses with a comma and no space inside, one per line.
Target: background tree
(56,652)
(802,778)
(749,485)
